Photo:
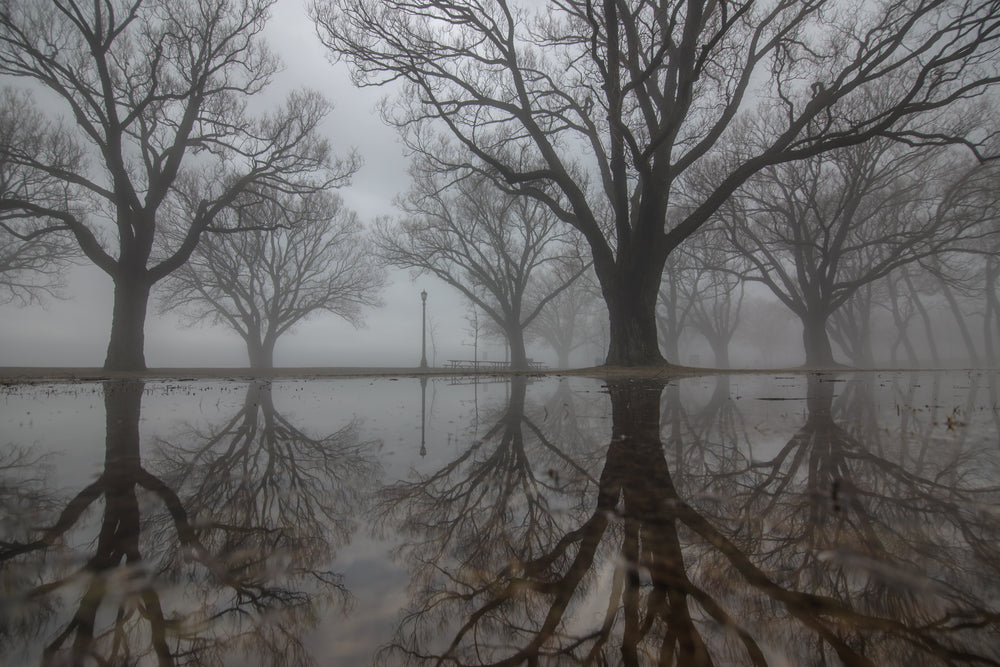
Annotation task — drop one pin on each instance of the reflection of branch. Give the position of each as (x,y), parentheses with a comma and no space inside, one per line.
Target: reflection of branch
(260,469)
(67,519)
(237,554)
(679,574)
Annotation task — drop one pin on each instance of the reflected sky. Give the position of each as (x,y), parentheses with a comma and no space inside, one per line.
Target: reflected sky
(745,519)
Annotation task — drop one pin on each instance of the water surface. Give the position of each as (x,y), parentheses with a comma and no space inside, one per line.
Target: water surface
(767,519)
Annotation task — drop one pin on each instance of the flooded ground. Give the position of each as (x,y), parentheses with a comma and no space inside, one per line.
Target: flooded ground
(797,519)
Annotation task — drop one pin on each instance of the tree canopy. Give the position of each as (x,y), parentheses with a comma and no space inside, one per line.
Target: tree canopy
(598,110)
(151,119)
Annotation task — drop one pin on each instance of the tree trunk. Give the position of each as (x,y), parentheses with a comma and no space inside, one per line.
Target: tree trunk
(720,350)
(672,344)
(819,352)
(991,312)
(669,328)
(518,353)
(631,298)
(260,353)
(963,328)
(924,316)
(563,357)
(128,323)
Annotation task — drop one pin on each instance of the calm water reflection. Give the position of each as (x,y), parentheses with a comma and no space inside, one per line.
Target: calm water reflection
(764,520)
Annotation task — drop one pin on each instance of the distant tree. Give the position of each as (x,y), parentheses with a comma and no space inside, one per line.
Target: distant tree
(33,252)
(610,104)
(262,283)
(715,292)
(902,308)
(991,309)
(672,306)
(155,100)
(850,326)
(815,232)
(564,322)
(492,247)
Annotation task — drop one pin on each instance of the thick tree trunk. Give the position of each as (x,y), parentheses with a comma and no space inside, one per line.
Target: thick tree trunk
(260,353)
(819,352)
(720,350)
(128,324)
(518,352)
(631,298)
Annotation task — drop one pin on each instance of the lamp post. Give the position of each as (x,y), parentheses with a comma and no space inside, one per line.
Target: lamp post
(423,329)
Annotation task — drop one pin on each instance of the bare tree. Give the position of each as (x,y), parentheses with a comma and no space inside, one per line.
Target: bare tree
(33,254)
(564,323)
(672,307)
(815,232)
(613,102)
(716,294)
(262,283)
(492,247)
(155,97)
(850,326)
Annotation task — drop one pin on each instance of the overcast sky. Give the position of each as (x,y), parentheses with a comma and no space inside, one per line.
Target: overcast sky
(75,331)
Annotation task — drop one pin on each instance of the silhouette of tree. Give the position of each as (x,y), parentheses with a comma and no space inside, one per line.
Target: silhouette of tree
(498,250)
(157,129)
(600,110)
(262,283)
(565,321)
(815,232)
(33,254)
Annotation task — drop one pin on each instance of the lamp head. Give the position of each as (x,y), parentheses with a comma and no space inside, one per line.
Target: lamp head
(423,295)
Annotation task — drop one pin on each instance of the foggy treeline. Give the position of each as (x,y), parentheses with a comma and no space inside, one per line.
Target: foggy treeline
(631,183)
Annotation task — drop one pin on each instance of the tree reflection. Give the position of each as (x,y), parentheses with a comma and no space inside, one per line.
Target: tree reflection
(499,491)
(217,550)
(828,550)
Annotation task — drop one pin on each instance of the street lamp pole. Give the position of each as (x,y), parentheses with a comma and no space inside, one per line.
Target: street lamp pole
(423,329)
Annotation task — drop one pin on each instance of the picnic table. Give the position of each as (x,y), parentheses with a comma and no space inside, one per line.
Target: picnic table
(484,365)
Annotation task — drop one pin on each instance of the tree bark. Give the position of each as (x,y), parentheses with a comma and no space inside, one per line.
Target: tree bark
(631,299)
(518,352)
(819,352)
(128,324)
(260,352)
(720,350)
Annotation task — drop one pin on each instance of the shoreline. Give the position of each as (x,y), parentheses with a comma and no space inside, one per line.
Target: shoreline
(10,375)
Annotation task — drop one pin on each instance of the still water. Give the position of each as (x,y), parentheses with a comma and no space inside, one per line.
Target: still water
(733,520)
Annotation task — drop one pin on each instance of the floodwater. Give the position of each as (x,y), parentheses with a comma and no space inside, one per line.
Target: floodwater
(798,519)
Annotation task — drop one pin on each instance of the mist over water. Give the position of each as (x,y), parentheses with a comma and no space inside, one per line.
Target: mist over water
(734,517)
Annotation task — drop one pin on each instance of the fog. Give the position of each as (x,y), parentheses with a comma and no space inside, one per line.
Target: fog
(949,327)
(74,331)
